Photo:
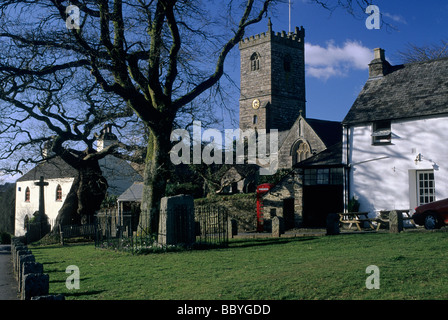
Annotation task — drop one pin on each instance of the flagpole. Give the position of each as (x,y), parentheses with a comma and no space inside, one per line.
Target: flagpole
(289,16)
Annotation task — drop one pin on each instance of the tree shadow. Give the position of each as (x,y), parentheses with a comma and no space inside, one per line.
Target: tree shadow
(77,293)
(246,243)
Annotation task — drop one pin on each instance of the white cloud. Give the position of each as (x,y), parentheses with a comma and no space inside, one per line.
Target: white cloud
(395,17)
(336,61)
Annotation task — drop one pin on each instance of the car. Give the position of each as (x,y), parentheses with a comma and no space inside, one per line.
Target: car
(432,215)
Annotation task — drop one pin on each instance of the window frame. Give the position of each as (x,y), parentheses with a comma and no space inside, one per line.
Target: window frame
(255,62)
(27,194)
(382,132)
(58,193)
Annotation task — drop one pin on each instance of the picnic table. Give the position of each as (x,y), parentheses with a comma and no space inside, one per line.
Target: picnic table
(406,213)
(358,219)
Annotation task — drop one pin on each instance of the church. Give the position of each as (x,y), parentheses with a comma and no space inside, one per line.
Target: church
(59,177)
(273,97)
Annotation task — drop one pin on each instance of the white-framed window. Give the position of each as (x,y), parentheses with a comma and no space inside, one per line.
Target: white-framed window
(426,188)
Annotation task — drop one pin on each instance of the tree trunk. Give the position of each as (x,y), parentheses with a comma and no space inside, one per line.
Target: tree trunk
(91,191)
(155,179)
(67,214)
(85,196)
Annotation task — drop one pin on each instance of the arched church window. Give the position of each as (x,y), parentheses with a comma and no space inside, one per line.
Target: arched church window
(59,193)
(301,152)
(255,62)
(27,194)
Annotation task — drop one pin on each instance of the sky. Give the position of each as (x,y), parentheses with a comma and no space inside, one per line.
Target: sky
(339,47)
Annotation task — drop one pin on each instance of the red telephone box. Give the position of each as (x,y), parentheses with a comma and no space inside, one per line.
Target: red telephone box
(261,189)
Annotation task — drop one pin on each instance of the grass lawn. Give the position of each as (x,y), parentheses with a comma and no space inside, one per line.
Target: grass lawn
(412,265)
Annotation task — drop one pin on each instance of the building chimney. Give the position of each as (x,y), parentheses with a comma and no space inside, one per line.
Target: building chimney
(379,66)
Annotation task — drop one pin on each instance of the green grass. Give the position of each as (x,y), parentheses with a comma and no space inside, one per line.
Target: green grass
(413,265)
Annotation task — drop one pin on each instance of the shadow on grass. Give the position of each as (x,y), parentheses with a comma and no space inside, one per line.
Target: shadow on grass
(64,280)
(83,293)
(245,243)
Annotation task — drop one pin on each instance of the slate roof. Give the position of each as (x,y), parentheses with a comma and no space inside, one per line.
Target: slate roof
(52,169)
(331,156)
(407,91)
(133,193)
(330,132)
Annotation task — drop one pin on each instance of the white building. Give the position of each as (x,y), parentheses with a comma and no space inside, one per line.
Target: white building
(394,138)
(119,174)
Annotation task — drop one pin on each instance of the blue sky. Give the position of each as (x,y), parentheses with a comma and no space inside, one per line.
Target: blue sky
(339,46)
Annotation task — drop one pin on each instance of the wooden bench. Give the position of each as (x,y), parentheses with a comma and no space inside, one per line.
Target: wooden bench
(358,219)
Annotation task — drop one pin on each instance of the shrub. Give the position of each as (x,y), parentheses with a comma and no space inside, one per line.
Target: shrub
(5,238)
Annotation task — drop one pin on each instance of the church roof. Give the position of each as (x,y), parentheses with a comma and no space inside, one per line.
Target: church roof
(331,156)
(406,91)
(54,168)
(133,193)
(330,132)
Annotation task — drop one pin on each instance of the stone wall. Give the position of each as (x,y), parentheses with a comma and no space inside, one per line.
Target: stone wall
(241,207)
(33,284)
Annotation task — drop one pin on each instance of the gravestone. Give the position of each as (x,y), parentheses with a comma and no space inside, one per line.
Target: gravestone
(176,221)
(395,221)
(278,226)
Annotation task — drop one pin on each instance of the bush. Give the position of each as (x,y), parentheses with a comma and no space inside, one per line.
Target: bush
(5,238)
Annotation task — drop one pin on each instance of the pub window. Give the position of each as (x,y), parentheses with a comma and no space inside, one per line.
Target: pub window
(59,193)
(254,62)
(324,176)
(27,194)
(381,132)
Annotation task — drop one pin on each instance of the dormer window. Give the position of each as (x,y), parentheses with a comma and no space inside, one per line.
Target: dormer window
(381,132)
(254,62)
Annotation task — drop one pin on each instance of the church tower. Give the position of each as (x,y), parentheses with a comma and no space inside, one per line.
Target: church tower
(272,79)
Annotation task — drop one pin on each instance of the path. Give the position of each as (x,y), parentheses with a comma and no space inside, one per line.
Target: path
(8,285)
